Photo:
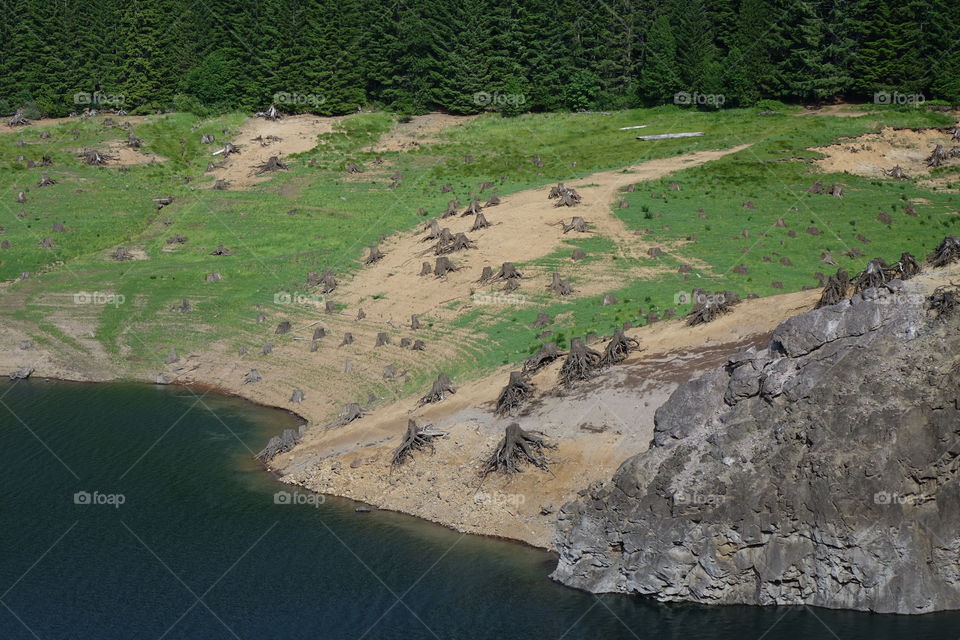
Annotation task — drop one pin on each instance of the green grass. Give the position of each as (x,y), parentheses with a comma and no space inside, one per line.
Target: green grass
(314,216)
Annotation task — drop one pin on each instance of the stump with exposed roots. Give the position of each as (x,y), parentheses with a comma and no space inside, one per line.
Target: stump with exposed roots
(46,181)
(944,301)
(947,252)
(473,208)
(443,266)
(486,275)
(375,255)
(564,196)
(548,353)
(480,222)
(816,187)
(836,289)
(252,376)
(581,363)
(895,172)
(441,388)
(416,438)
(517,391)
(18,119)
(875,275)
(517,448)
(327,282)
(618,348)
(836,190)
(708,307)
(559,286)
(936,157)
(577,224)
(94,158)
(272,164)
(492,201)
(121,254)
(348,413)
(459,242)
(433,231)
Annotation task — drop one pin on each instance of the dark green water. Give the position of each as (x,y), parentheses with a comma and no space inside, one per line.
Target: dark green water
(199,549)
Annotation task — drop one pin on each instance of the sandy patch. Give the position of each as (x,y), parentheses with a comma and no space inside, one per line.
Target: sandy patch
(526,226)
(290,134)
(869,155)
(421,130)
(124,156)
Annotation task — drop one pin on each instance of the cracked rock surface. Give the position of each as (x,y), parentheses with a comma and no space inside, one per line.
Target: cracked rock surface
(822,470)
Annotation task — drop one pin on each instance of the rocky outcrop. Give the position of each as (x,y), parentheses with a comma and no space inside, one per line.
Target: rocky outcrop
(822,470)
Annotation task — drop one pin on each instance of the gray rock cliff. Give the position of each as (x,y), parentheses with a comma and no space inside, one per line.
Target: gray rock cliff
(822,470)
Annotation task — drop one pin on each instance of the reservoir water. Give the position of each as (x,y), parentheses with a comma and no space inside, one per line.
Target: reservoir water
(131,511)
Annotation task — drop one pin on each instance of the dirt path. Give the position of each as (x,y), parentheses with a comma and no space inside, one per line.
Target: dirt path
(525,227)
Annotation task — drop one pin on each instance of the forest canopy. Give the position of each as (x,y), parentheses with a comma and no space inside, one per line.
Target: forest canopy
(467,56)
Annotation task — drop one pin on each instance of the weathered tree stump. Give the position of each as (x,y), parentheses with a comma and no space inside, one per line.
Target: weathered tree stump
(347,339)
(443,267)
(480,222)
(252,376)
(442,387)
(618,348)
(581,363)
(382,339)
(577,224)
(518,447)
(283,327)
(559,286)
(375,255)
(513,395)
(415,439)
(548,353)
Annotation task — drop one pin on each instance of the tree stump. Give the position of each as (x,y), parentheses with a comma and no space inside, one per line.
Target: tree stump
(618,348)
(442,386)
(283,327)
(559,286)
(518,447)
(581,363)
(375,255)
(513,395)
(548,353)
(347,339)
(416,438)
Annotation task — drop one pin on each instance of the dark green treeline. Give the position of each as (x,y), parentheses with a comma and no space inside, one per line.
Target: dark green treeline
(463,56)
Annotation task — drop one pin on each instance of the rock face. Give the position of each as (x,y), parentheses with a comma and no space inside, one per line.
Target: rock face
(822,470)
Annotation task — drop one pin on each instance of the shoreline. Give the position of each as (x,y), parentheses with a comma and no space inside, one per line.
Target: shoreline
(597,426)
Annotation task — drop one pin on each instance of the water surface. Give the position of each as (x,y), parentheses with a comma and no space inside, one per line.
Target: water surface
(200,549)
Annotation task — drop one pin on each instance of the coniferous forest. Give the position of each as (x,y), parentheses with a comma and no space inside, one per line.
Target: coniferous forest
(333,56)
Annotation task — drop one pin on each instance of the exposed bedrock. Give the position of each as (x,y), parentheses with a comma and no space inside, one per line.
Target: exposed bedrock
(822,470)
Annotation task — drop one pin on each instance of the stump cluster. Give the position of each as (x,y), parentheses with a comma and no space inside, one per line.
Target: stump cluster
(564,196)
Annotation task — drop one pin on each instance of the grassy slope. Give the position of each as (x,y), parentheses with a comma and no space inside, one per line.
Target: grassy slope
(336,217)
